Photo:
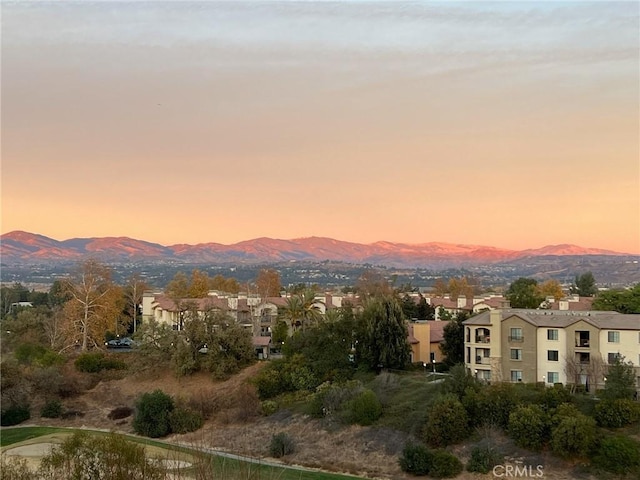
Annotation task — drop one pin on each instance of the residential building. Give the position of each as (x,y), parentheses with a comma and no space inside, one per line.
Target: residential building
(550,346)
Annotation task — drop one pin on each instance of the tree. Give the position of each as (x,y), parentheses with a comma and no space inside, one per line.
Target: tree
(424,311)
(302,310)
(229,285)
(452,345)
(584,285)
(384,343)
(619,300)
(199,285)
(95,304)
(133,291)
(268,283)
(550,288)
(620,380)
(409,307)
(523,293)
(372,283)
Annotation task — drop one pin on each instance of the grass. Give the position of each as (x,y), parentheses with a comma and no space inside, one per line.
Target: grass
(406,400)
(9,436)
(215,465)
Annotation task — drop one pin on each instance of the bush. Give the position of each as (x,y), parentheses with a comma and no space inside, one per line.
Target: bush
(528,426)
(447,422)
(281,444)
(182,420)
(364,409)
(618,455)
(415,459)
(573,436)
(268,407)
(483,459)
(14,415)
(272,380)
(495,404)
(96,362)
(444,465)
(617,413)
(52,409)
(152,414)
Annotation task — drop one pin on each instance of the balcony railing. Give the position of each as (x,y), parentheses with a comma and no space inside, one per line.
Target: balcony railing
(584,343)
(516,339)
(483,340)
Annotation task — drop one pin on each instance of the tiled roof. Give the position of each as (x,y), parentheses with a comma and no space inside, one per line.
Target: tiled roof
(436,331)
(207,303)
(261,341)
(563,319)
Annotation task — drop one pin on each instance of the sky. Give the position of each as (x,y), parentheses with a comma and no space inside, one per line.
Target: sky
(509,124)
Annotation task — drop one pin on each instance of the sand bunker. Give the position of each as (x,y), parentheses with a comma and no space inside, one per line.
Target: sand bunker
(35,450)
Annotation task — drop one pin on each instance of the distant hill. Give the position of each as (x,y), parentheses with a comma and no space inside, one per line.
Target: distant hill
(22,247)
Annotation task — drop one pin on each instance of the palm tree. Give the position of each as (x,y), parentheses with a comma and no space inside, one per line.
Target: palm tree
(302,309)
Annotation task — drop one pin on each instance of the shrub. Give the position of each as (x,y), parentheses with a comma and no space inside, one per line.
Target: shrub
(496,402)
(618,455)
(447,422)
(528,426)
(14,415)
(152,414)
(364,409)
(272,381)
(573,436)
(119,413)
(96,362)
(415,459)
(268,407)
(85,456)
(182,420)
(483,459)
(330,399)
(52,409)
(281,444)
(617,413)
(444,465)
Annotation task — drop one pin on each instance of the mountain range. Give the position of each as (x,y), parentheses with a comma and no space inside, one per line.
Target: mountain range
(20,247)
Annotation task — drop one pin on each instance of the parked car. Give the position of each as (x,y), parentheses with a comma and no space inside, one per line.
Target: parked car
(125,342)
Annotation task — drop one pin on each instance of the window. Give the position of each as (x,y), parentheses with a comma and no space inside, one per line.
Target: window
(552,355)
(515,335)
(552,334)
(553,377)
(516,375)
(611,358)
(613,337)
(516,354)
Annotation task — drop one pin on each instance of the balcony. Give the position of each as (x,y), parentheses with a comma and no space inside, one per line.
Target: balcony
(483,360)
(483,340)
(516,339)
(582,343)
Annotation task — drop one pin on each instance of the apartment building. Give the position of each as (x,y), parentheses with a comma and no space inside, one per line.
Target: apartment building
(550,346)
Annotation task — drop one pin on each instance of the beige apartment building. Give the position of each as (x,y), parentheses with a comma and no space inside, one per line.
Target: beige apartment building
(550,346)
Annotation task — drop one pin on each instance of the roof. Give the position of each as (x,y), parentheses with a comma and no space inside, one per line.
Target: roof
(436,331)
(563,318)
(261,341)
(207,303)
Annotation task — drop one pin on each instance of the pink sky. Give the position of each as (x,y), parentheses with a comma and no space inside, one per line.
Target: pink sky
(512,125)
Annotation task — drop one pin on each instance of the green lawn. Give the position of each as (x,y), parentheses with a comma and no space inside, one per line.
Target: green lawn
(222,466)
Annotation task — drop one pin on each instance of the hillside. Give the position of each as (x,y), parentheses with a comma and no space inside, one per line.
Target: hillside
(24,248)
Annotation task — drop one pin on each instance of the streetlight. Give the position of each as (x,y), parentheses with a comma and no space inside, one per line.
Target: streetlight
(544,380)
(434,364)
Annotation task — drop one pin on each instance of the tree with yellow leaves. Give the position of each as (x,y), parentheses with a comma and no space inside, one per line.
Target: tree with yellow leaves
(94,307)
